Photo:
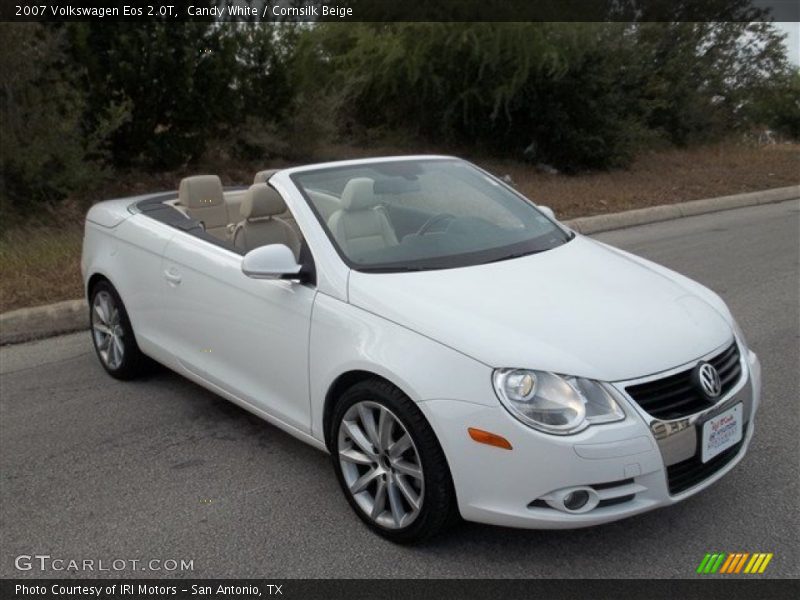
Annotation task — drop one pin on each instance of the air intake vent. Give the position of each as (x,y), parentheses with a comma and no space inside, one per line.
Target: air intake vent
(688,473)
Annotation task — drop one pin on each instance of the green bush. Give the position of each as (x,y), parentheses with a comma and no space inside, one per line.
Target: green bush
(45,151)
(81,98)
(187,83)
(777,107)
(573,95)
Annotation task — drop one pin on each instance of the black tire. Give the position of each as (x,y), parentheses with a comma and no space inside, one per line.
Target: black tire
(439,508)
(133,363)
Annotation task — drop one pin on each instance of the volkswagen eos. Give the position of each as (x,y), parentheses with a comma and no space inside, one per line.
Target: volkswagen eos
(456,349)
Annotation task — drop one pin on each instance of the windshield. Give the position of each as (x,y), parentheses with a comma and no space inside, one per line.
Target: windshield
(424,214)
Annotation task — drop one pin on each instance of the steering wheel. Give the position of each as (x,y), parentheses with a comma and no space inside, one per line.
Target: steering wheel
(434,220)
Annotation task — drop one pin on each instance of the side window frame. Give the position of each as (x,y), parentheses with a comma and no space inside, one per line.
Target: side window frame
(156,209)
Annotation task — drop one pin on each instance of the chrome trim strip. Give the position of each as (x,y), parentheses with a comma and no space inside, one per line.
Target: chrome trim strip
(684,367)
(677,438)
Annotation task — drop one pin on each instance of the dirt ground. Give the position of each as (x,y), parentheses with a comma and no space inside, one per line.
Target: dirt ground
(40,262)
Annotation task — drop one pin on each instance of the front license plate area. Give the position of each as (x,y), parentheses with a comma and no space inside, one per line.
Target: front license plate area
(721,432)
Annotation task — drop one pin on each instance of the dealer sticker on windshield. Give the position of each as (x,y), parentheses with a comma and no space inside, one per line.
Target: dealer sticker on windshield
(722,432)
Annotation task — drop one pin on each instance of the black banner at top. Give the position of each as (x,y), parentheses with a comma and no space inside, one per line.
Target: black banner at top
(399,10)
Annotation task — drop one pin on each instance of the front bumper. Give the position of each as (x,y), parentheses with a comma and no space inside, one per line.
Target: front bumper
(622,464)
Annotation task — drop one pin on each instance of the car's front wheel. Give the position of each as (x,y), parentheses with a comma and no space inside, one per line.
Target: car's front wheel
(390,464)
(112,334)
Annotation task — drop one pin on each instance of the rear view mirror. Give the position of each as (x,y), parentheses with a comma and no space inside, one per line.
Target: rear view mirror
(395,185)
(275,261)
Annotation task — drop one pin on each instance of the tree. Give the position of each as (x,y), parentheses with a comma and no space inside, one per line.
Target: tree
(777,106)
(696,77)
(575,95)
(164,73)
(45,150)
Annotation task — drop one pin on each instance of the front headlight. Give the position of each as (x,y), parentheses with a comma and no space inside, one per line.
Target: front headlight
(554,403)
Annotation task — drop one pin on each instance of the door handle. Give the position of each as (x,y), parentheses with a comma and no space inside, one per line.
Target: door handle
(172,276)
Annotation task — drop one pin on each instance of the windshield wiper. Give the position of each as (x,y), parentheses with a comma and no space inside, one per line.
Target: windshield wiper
(512,256)
(395,269)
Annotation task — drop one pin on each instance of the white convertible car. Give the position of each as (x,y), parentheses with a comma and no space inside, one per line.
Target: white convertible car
(455,348)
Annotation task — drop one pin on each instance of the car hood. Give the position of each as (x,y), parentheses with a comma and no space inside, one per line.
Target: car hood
(579,309)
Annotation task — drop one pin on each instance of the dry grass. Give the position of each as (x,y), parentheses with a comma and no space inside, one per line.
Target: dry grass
(41,263)
(664,177)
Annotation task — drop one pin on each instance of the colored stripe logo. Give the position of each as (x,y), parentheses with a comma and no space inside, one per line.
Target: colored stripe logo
(734,563)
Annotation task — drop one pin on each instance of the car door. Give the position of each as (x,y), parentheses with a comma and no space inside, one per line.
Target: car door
(246,336)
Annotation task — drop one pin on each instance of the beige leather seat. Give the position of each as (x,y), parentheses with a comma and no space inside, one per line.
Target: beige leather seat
(261,225)
(263,176)
(360,227)
(201,196)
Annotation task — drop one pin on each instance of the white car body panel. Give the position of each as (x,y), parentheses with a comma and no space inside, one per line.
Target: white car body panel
(111,213)
(495,486)
(236,332)
(277,347)
(534,309)
(346,338)
(129,255)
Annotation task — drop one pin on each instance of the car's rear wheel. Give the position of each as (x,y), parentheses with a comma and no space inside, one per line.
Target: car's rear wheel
(390,464)
(112,334)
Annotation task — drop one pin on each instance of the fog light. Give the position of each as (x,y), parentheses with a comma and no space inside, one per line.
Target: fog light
(576,500)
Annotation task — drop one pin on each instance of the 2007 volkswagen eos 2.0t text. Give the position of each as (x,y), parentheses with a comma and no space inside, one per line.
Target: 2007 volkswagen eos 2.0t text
(455,348)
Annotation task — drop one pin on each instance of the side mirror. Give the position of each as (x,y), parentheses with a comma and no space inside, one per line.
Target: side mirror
(508,181)
(547,211)
(274,261)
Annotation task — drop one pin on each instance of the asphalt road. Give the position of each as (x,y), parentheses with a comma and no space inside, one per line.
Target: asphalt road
(91,468)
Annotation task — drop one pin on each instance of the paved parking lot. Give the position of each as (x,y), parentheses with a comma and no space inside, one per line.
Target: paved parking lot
(91,468)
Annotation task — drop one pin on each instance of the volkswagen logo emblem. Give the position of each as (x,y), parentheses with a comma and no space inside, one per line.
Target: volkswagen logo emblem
(707,380)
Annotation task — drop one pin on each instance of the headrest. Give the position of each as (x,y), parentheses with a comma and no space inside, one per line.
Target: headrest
(359,194)
(263,176)
(200,191)
(262,201)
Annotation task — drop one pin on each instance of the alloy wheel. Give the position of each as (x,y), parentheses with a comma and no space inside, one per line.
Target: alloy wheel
(381,465)
(107,330)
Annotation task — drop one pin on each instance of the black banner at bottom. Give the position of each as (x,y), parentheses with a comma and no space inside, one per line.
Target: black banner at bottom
(390,589)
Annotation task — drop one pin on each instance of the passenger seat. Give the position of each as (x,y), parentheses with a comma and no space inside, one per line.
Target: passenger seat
(201,196)
(261,225)
(361,226)
(263,177)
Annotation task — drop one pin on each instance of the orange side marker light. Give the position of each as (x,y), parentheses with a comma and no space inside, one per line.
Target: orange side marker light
(492,439)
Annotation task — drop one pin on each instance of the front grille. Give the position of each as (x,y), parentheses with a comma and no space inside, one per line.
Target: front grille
(688,473)
(676,396)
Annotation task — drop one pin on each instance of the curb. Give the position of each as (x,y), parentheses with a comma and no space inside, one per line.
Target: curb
(666,212)
(27,324)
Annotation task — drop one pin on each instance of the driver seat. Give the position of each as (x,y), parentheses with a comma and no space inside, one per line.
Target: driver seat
(361,226)
(261,225)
